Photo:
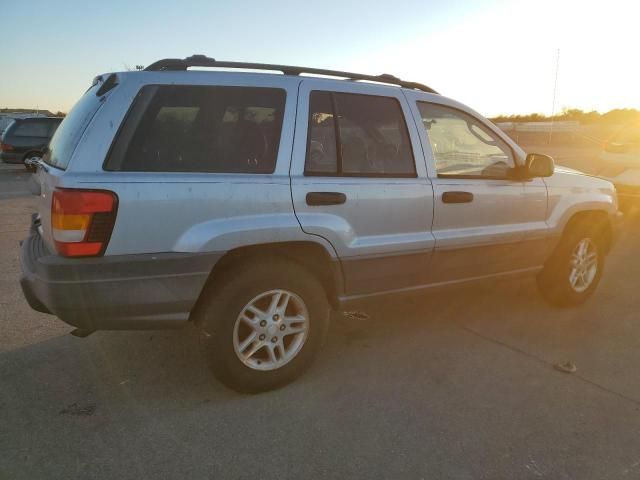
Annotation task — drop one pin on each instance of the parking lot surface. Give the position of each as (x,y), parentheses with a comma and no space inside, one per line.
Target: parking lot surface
(13,181)
(456,384)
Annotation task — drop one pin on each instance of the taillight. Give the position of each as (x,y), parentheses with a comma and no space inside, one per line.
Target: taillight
(82,221)
(5,147)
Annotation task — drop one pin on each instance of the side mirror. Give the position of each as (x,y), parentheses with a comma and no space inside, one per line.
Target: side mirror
(539,165)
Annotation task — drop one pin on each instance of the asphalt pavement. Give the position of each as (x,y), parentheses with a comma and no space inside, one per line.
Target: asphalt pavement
(452,385)
(13,181)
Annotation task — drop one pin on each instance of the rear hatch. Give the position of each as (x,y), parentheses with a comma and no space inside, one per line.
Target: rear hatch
(60,152)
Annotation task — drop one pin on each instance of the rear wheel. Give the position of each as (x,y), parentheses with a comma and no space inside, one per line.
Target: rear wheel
(263,325)
(574,270)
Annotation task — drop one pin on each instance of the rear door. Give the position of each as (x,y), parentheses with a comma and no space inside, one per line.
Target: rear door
(485,222)
(359,180)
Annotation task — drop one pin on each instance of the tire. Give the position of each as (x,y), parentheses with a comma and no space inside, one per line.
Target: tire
(557,282)
(223,332)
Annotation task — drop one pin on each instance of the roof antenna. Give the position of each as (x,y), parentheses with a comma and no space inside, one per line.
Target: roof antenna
(555,91)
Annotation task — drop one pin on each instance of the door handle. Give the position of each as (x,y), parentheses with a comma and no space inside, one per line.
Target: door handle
(325,198)
(457,197)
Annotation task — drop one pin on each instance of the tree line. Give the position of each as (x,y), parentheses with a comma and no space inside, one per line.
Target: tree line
(33,111)
(616,116)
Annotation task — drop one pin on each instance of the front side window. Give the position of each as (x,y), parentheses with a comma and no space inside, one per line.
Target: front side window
(462,145)
(357,135)
(201,129)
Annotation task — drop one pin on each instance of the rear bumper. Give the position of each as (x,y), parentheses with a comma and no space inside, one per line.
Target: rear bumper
(8,157)
(116,292)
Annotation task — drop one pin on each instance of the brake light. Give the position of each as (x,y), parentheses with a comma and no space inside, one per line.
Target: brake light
(82,221)
(5,147)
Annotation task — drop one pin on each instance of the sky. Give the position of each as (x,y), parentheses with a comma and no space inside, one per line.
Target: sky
(497,56)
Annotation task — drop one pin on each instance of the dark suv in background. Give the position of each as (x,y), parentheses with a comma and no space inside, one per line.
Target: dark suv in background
(26,138)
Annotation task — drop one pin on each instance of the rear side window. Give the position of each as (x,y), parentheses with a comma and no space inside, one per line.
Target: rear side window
(201,129)
(31,128)
(357,135)
(68,134)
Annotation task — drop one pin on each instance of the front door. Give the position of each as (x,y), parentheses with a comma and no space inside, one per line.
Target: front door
(485,223)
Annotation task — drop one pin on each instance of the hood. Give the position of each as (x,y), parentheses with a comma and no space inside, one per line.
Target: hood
(569,177)
(572,171)
(561,169)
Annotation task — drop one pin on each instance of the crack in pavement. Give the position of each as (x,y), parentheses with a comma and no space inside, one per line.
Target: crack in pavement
(532,356)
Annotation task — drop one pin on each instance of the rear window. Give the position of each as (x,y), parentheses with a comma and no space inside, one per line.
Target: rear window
(31,128)
(177,128)
(5,124)
(68,134)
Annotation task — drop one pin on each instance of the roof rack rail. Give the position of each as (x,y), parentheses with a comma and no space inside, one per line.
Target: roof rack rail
(176,64)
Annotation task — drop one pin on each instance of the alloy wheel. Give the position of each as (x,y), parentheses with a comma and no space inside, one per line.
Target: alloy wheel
(271,330)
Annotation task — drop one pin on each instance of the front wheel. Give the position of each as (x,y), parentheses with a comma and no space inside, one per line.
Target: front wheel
(264,325)
(574,270)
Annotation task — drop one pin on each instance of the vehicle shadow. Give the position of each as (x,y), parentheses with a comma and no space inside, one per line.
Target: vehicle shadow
(155,367)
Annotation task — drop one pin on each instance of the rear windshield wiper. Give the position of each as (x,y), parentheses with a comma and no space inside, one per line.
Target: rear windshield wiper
(33,165)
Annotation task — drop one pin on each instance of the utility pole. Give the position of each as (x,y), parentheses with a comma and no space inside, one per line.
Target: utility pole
(555,91)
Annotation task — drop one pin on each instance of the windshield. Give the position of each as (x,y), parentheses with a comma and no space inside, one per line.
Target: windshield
(64,141)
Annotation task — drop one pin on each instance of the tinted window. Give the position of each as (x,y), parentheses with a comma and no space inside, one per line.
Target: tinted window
(31,128)
(321,142)
(68,134)
(357,135)
(5,123)
(201,129)
(462,145)
(53,126)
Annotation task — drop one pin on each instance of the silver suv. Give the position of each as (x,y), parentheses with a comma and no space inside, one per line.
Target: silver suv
(252,204)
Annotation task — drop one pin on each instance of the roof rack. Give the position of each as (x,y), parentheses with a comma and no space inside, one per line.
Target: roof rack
(176,64)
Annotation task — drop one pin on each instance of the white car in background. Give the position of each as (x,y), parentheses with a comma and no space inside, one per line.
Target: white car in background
(621,165)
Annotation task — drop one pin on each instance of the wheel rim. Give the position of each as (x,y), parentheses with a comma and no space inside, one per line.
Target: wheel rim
(271,330)
(584,265)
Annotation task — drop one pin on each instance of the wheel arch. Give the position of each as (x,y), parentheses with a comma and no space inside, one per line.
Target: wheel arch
(310,255)
(599,218)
